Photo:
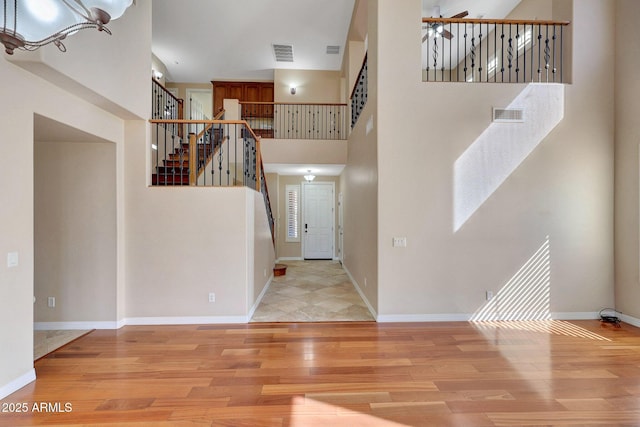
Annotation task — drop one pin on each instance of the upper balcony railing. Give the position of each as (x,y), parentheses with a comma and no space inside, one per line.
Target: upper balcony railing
(165,106)
(493,51)
(360,92)
(296,120)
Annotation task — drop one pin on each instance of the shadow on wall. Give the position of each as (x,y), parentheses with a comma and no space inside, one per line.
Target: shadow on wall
(502,147)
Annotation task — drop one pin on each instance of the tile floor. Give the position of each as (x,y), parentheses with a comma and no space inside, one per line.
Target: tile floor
(44,342)
(312,291)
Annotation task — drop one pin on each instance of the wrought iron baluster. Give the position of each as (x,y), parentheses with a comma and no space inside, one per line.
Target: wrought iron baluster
(518,52)
(473,51)
(561,53)
(547,52)
(426,54)
(235,153)
(502,53)
(480,50)
(450,53)
(435,57)
(510,52)
(554,53)
(458,53)
(465,49)
(539,52)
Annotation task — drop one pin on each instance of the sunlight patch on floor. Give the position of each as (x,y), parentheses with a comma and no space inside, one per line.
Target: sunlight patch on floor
(554,327)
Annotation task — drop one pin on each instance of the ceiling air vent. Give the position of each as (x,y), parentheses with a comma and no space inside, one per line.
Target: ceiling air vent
(508,115)
(333,50)
(283,52)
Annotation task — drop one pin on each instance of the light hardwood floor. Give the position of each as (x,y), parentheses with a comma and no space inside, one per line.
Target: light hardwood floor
(342,374)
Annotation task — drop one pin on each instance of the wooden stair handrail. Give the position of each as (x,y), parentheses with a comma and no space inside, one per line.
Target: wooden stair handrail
(179,100)
(493,21)
(209,126)
(353,90)
(292,103)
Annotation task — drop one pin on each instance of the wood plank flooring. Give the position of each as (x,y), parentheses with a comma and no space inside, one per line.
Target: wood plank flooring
(340,374)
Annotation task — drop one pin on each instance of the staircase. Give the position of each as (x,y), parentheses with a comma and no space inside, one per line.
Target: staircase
(175,168)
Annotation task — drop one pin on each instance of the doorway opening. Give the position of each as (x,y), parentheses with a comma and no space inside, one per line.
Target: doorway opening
(75,233)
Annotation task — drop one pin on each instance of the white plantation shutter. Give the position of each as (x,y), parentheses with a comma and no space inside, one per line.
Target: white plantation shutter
(292,194)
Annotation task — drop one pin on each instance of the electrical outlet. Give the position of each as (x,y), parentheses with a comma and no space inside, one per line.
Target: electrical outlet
(365,282)
(489,295)
(212,297)
(51,302)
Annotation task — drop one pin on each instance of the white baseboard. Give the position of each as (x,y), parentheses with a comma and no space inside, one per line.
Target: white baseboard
(59,326)
(462,317)
(577,315)
(257,303)
(633,321)
(362,295)
(293,258)
(194,320)
(445,317)
(18,383)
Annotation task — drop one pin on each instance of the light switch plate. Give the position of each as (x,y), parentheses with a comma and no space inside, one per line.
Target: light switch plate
(12,259)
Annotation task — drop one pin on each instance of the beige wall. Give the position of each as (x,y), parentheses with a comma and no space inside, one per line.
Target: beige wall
(25,95)
(81,90)
(627,105)
(563,189)
(304,151)
(158,65)
(75,231)
(360,177)
(264,254)
(312,86)
(93,62)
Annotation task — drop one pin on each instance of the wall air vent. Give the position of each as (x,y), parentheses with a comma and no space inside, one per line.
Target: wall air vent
(283,52)
(508,115)
(333,50)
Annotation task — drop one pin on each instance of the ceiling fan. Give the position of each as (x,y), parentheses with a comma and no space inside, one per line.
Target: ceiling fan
(437,28)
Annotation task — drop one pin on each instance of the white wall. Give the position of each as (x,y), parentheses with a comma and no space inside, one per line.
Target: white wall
(563,189)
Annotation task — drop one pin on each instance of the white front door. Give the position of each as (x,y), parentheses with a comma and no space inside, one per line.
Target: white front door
(318,220)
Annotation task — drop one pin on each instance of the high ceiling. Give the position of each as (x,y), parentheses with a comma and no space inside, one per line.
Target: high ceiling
(476,8)
(199,41)
(204,40)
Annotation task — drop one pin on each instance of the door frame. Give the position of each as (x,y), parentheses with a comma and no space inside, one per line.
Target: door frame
(303,213)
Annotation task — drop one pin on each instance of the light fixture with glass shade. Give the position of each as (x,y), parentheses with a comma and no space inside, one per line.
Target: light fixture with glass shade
(30,24)
(309,177)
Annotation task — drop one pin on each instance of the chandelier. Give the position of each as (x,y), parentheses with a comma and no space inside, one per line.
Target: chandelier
(30,24)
